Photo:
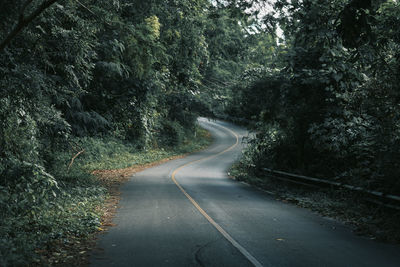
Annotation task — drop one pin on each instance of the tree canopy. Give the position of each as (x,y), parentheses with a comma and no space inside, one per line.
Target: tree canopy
(323,96)
(331,109)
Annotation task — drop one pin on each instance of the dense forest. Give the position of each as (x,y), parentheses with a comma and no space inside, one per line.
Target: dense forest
(319,82)
(329,104)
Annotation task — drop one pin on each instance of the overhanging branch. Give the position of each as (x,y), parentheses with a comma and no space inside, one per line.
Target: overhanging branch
(24,21)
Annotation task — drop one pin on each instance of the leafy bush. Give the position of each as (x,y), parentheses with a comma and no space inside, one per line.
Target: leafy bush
(171,134)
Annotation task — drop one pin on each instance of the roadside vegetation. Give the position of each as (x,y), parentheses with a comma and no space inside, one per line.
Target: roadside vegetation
(59,229)
(369,219)
(92,85)
(328,106)
(88,85)
(331,109)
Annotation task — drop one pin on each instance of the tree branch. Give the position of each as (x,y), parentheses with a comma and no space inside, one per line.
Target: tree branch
(85,7)
(74,157)
(23,22)
(27,3)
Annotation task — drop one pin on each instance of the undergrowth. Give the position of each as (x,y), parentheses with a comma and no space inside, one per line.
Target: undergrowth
(41,233)
(367,219)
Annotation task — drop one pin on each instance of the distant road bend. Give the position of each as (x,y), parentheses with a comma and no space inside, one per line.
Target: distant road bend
(187,212)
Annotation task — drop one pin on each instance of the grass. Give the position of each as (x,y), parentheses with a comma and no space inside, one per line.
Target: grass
(60,232)
(123,155)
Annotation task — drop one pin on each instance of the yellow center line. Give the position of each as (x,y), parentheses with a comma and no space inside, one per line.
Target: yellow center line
(225,234)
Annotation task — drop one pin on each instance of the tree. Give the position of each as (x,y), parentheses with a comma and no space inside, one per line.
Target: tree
(24,20)
(338,93)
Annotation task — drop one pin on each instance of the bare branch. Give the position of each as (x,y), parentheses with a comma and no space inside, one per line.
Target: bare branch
(73,158)
(85,7)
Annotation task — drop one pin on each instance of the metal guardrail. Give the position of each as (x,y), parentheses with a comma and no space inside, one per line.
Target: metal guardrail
(388,200)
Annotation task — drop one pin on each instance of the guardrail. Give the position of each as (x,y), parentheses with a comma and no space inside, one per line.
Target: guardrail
(387,200)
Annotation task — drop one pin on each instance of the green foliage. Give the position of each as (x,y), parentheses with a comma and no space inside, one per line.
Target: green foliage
(331,111)
(18,131)
(71,214)
(257,95)
(125,154)
(106,77)
(38,209)
(128,75)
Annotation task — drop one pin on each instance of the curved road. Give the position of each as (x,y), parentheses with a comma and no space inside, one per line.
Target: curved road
(187,212)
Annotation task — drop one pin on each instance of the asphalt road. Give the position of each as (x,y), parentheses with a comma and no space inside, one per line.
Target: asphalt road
(187,212)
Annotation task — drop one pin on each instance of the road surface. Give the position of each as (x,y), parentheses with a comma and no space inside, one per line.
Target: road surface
(187,212)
